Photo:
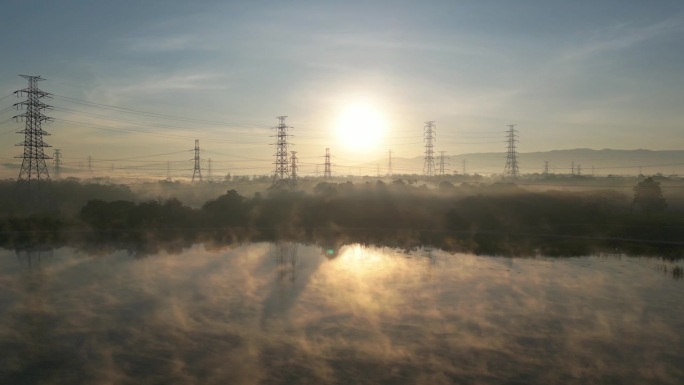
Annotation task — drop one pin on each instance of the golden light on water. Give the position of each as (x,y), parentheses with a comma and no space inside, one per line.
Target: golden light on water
(375,315)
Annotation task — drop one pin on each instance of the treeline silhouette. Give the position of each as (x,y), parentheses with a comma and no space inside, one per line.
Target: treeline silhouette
(497,218)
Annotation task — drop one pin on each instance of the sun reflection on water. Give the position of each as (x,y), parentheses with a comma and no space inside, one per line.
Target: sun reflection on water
(370,315)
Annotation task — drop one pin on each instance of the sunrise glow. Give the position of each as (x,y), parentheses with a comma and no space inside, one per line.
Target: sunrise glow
(360,127)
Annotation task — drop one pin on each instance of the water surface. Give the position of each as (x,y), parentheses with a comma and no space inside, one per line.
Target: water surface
(289,314)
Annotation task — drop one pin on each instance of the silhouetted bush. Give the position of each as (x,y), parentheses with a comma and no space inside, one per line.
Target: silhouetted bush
(500,218)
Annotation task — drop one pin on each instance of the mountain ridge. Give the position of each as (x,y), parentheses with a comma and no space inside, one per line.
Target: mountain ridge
(565,161)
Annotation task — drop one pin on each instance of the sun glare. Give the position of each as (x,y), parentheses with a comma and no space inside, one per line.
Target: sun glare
(360,127)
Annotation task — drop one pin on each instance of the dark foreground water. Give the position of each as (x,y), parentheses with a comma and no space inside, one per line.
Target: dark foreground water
(291,314)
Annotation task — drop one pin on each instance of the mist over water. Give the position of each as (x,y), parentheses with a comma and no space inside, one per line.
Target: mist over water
(289,313)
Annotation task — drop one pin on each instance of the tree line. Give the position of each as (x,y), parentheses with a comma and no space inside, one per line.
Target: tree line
(497,218)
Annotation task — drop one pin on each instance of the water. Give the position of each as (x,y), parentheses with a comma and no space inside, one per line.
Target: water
(291,314)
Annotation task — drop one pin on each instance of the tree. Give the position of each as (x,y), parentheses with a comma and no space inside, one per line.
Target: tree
(649,197)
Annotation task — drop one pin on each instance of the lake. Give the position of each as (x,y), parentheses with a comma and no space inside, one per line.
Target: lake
(289,313)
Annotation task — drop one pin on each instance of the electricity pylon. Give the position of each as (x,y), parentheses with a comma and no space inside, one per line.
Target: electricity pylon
(58,163)
(197,172)
(442,164)
(281,175)
(429,133)
(33,182)
(511,168)
(327,174)
(293,170)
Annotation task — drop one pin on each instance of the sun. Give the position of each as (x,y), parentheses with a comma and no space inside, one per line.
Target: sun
(360,127)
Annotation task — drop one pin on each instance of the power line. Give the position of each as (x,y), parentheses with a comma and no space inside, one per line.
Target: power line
(154,114)
(170,136)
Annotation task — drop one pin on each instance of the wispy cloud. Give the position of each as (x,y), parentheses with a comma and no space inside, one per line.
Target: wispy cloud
(159,84)
(618,37)
(470,47)
(161,44)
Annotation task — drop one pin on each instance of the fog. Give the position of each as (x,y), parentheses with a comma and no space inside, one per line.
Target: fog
(287,313)
(569,217)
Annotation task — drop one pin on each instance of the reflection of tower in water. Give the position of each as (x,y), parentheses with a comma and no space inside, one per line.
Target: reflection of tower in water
(32,257)
(32,320)
(429,253)
(428,249)
(286,260)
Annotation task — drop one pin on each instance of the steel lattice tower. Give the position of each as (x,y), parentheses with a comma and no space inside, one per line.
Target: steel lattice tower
(34,178)
(281,175)
(511,168)
(58,163)
(209,169)
(327,174)
(293,170)
(546,167)
(442,169)
(389,164)
(197,173)
(429,132)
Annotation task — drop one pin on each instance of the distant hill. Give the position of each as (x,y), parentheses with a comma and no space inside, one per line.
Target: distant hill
(603,162)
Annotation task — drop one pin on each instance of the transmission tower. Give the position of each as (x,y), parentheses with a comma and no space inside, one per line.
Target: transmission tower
(442,169)
(511,168)
(464,166)
(197,172)
(546,167)
(429,132)
(281,176)
(209,169)
(58,163)
(293,170)
(326,170)
(90,164)
(34,180)
(389,164)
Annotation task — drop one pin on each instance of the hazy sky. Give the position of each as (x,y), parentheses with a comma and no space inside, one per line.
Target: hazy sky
(594,74)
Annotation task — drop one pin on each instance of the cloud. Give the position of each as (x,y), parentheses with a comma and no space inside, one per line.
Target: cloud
(174,82)
(162,44)
(619,37)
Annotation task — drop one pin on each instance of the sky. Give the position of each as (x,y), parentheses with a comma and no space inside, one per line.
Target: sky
(135,83)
